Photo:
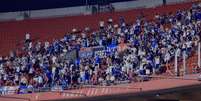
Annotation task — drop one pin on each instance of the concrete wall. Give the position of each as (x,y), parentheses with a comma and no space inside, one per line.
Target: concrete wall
(71,11)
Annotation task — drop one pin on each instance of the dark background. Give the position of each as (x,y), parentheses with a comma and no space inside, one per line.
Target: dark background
(20,5)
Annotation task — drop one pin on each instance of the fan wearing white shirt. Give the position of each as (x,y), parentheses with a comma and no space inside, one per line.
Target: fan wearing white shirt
(27,38)
(157,64)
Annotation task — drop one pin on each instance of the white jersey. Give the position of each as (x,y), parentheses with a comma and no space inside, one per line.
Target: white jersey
(157,60)
(27,36)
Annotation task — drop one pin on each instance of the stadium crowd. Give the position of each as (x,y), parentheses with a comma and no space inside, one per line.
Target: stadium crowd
(123,51)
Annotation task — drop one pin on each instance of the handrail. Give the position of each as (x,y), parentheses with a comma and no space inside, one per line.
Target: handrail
(163,77)
(82,94)
(92,86)
(10,97)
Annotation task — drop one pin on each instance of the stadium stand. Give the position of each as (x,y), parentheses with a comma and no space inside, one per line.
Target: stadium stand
(49,54)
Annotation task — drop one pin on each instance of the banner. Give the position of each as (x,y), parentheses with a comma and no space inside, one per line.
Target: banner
(98,50)
(85,53)
(71,55)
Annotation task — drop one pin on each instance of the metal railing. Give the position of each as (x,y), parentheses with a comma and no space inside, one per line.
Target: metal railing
(2,98)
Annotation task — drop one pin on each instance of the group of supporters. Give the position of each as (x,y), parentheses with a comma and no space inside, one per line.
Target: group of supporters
(116,52)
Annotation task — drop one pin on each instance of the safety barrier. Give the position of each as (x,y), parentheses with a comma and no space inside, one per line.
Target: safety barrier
(6,90)
(90,90)
(93,90)
(82,90)
(180,78)
(10,98)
